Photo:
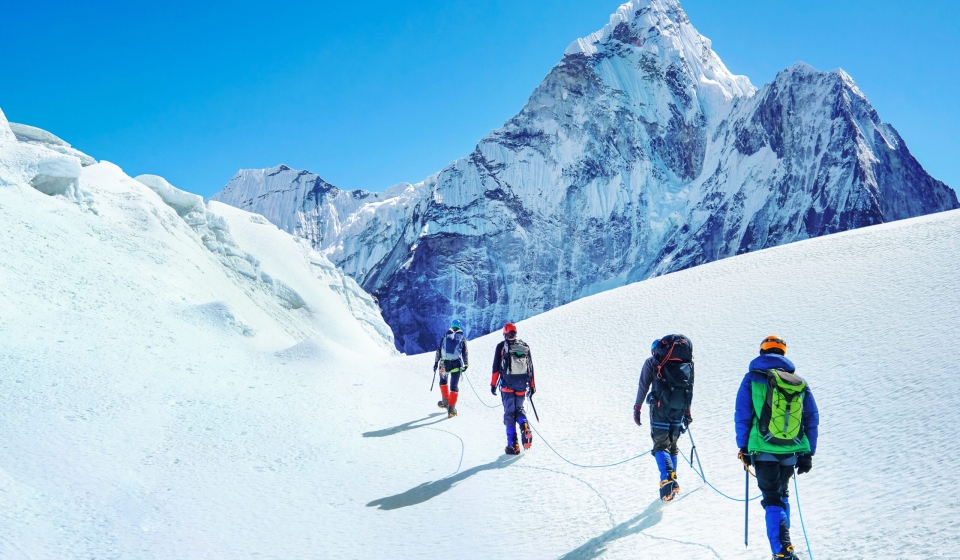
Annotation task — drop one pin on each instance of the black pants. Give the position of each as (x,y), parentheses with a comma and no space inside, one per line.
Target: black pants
(664,430)
(773,480)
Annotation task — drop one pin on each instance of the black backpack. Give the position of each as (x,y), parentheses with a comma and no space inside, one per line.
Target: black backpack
(673,387)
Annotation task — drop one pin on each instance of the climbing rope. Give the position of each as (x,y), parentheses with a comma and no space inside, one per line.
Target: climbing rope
(479,398)
(796,491)
(557,453)
(694,452)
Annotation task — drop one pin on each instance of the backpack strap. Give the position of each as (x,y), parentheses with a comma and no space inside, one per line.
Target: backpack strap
(665,359)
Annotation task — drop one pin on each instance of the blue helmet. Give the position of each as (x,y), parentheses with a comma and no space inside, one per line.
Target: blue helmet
(456,324)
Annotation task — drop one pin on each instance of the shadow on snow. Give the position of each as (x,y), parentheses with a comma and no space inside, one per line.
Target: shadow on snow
(430,490)
(597,545)
(412,425)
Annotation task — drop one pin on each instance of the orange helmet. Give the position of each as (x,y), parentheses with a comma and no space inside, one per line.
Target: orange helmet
(773,344)
(509,328)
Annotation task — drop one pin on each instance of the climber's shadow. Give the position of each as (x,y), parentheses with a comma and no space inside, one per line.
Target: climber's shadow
(412,425)
(598,545)
(429,490)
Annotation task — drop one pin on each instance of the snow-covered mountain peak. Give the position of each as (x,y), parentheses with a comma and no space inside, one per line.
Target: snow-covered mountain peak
(667,43)
(639,154)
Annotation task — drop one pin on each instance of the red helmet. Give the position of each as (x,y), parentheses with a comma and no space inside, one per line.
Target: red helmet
(509,328)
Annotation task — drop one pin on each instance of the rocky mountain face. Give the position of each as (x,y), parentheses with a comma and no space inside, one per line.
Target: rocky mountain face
(639,154)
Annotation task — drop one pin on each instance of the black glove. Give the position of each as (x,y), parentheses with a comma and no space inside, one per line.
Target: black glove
(745,456)
(636,416)
(804,463)
(493,390)
(532,391)
(688,418)
(464,368)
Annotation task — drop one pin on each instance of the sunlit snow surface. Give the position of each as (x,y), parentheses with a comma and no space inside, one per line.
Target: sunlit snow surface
(160,399)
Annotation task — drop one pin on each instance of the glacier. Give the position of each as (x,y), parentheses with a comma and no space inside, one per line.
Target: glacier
(639,154)
(185,380)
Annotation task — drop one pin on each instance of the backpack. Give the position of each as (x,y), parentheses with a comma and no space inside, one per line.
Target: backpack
(781,418)
(515,359)
(673,388)
(452,346)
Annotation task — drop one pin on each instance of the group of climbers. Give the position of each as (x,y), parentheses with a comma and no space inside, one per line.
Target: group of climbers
(512,374)
(776,416)
(776,423)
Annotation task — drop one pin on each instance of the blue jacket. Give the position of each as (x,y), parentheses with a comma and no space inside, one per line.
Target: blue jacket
(744,414)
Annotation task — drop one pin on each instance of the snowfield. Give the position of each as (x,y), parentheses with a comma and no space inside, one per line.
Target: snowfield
(183,380)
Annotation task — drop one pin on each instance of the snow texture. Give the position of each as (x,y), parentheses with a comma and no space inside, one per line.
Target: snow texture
(163,398)
(638,155)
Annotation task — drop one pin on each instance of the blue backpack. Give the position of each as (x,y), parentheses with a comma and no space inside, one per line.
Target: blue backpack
(452,346)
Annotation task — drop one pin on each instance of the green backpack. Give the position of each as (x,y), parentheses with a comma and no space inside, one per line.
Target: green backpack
(782,414)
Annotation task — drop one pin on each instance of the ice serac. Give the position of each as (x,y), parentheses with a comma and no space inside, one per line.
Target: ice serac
(639,154)
(37,136)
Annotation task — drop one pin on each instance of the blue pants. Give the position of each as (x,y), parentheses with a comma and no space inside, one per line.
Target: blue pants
(513,414)
(773,478)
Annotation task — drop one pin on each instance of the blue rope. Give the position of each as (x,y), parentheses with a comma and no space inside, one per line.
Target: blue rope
(479,398)
(557,453)
(585,466)
(796,491)
(707,482)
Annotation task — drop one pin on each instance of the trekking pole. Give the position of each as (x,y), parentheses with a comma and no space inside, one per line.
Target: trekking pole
(434,380)
(746,504)
(534,409)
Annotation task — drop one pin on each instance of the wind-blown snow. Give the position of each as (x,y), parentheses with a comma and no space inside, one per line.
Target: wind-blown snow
(186,381)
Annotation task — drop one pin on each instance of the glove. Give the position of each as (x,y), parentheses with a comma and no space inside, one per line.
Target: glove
(532,391)
(434,368)
(464,368)
(688,418)
(493,390)
(804,463)
(636,416)
(745,456)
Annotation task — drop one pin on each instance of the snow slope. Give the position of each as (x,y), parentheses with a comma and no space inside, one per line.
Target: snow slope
(639,154)
(161,399)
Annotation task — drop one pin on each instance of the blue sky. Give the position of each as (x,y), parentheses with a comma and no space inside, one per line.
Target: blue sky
(371,94)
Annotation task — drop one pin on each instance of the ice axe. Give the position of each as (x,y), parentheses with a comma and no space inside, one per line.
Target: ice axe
(537,416)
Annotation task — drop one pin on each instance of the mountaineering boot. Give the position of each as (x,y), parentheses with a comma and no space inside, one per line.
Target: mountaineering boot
(442,403)
(445,393)
(786,554)
(452,404)
(786,549)
(669,487)
(527,434)
(513,448)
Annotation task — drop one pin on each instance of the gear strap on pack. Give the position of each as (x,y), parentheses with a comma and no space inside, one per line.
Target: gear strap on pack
(781,418)
(675,374)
